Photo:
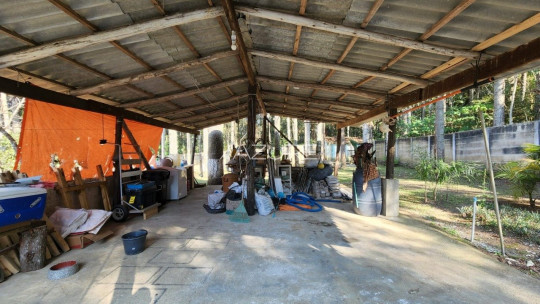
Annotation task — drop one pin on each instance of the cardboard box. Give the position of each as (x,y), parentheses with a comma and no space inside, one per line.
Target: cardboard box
(79,241)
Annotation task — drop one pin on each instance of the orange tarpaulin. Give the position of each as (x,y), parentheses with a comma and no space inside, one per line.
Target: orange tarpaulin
(74,135)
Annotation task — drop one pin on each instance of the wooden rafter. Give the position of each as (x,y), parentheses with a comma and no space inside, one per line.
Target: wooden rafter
(374,8)
(213,114)
(505,63)
(79,42)
(189,44)
(434,28)
(151,74)
(181,94)
(287,112)
(353,32)
(230,13)
(335,89)
(295,108)
(220,120)
(305,105)
(200,107)
(301,12)
(532,21)
(337,67)
(310,100)
(30,91)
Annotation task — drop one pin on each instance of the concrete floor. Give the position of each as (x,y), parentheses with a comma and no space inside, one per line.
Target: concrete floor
(334,256)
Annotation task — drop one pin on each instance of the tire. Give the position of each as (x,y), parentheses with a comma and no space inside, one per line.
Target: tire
(120,213)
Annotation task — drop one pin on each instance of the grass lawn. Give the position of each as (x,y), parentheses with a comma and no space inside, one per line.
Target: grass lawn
(452,213)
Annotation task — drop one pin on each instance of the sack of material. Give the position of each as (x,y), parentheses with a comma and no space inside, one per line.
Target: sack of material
(214,199)
(265,206)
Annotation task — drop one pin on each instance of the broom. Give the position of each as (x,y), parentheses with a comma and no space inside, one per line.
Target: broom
(239,214)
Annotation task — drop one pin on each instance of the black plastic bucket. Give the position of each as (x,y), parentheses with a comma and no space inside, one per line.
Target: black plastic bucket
(134,241)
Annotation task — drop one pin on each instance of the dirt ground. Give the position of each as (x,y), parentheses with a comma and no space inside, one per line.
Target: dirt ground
(444,216)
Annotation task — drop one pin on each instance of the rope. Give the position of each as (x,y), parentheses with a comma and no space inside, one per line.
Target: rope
(303,198)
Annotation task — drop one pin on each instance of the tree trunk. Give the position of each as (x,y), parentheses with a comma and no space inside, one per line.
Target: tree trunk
(32,248)
(439,128)
(5,111)
(307,138)
(289,136)
(295,139)
(10,138)
(498,102)
(189,146)
(173,142)
(234,134)
(320,137)
(215,159)
(512,99)
(536,105)
(277,137)
(523,86)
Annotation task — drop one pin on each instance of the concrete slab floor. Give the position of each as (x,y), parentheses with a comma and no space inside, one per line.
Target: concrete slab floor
(334,256)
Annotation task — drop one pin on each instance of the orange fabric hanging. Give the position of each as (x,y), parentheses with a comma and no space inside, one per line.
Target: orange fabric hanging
(74,134)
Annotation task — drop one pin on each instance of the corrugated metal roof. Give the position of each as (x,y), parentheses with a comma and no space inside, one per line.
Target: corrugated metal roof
(43,22)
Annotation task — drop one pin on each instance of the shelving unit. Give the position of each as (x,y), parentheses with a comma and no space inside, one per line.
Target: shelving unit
(285,173)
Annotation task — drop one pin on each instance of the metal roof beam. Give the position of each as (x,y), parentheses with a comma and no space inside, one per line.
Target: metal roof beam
(360,33)
(79,42)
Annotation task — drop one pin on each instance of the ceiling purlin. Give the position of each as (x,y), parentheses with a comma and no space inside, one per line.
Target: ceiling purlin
(365,22)
(189,44)
(432,30)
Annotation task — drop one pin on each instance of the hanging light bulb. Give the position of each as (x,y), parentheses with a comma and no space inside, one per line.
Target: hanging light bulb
(233,40)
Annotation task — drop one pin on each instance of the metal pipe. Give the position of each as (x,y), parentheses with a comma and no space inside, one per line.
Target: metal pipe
(492,179)
(473,219)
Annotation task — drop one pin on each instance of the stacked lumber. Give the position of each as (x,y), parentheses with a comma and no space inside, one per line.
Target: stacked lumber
(10,238)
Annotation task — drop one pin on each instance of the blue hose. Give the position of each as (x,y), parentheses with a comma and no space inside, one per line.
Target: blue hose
(303,198)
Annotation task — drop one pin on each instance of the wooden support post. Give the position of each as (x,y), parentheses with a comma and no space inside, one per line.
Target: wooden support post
(117,200)
(265,129)
(250,174)
(135,145)
(338,153)
(391,148)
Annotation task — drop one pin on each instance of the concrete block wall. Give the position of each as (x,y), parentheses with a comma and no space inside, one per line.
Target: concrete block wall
(505,144)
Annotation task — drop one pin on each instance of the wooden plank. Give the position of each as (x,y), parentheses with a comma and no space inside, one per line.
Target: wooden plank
(52,246)
(5,242)
(55,235)
(79,42)
(151,74)
(200,107)
(447,18)
(3,263)
(230,13)
(354,32)
(103,189)
(135,146)
(335,89)
(260,102)
(28,90)
(177,95)
(48,254)
(212,114)
(372,11)
(310,100)
(150,211)
(82,192)
(338,67)
(62,187)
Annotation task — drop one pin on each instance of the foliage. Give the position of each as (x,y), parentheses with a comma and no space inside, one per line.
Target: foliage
(439,172)
(7,154)
(524,175)
(520,222)
(464,117)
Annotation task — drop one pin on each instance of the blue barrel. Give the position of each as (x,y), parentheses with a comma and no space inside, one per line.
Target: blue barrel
(134,241)
(368,203)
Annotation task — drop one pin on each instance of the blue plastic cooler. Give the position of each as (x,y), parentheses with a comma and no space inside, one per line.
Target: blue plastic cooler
(20,204)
